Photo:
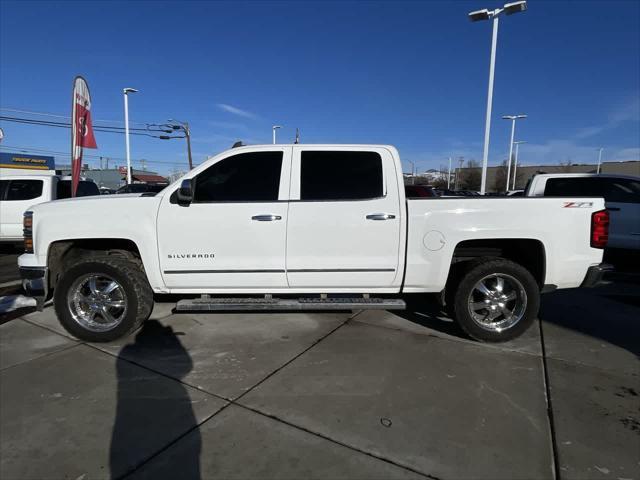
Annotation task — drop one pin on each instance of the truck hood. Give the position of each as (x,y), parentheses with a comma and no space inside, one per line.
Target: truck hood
(127,216)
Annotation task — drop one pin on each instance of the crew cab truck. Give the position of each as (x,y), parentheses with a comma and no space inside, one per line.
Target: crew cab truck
(306,227)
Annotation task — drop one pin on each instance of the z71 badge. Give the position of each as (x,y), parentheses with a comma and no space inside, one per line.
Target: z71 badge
(577,204)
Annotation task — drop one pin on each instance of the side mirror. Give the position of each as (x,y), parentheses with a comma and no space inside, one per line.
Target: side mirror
(185,192)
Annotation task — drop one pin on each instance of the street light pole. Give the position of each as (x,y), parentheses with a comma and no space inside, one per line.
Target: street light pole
(513,119)
(274,128)
(485,14)
(126,92)
(599,159)
(449,176)
(515,164)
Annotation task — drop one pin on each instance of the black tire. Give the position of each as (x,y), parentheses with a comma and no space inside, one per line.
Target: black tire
(465,288)
(139,296)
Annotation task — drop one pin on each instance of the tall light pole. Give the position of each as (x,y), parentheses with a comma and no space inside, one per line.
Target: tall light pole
(273,129)
(413,172)
(485,14)
(515,164)
(126,92)
(513,119)
(449,176)
(599,159)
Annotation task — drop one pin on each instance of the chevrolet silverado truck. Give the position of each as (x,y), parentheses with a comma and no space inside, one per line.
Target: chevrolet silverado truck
(306,227)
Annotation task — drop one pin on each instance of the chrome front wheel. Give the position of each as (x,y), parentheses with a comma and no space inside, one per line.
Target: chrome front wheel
(97,303)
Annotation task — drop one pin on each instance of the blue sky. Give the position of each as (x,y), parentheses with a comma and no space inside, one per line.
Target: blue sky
(411,74)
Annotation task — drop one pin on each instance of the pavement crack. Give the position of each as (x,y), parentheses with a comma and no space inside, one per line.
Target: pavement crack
(337,442)
(293,359)
(547,390)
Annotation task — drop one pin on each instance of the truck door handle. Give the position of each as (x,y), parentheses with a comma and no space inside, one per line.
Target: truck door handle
(380,216)
(266,218)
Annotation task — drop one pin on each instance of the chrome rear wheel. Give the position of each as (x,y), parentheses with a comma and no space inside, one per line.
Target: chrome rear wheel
(497,302)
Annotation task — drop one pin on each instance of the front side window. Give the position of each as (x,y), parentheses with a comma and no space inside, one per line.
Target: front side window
(246,177)
(340,175)
(23,190)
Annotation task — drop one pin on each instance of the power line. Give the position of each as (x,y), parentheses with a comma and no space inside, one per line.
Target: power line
(44,114)
(97,128)
(97,157)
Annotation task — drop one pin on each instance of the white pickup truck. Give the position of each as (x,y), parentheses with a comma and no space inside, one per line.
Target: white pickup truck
(621,194)
(295,227)
(19,191)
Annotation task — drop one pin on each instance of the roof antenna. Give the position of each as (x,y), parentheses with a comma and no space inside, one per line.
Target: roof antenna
(297,136)
(238,144)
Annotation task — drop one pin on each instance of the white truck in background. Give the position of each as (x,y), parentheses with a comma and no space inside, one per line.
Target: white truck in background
(621,194)
(295,227)
(21,190)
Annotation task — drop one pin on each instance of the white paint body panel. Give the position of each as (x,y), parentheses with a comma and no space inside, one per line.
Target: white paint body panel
(11,212)
(624,228)
(331,244)
(317,235)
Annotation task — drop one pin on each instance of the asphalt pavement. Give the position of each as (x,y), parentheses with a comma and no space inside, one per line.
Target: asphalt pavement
(328,395)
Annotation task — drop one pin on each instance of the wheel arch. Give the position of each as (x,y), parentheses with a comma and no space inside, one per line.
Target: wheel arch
(61,252)
(528,252)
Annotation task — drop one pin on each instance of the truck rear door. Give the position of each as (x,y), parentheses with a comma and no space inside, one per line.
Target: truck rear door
(344,220)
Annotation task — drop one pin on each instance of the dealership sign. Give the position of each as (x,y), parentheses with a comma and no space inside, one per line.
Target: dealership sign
(26,161)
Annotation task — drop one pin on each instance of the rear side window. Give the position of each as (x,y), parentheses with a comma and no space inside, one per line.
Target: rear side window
(246,177)
(574,187)
(23,190)
(340,175)
(622,190)
(85,189)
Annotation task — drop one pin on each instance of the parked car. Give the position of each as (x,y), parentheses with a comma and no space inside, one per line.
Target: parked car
(620,192)
(419,191)
(141,188)
(515,193)
(286,227)
(19,192)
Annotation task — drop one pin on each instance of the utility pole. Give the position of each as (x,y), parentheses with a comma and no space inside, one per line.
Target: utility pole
(143,164)
(460,162)
(449,176)
(184,126)
(273,129)
(599,159)
(413,172)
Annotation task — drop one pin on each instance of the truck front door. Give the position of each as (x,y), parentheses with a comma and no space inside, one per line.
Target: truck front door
(344,219)
(233,234)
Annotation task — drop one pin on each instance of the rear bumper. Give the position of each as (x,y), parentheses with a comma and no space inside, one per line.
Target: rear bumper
(595,274)
(34,282)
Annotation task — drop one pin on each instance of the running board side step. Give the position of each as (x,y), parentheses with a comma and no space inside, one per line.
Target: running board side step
(292,304)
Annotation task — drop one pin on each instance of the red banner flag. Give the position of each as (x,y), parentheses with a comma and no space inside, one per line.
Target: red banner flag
(81,129)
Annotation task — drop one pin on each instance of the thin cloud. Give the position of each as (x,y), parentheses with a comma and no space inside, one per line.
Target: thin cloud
(628,112)
(236,111)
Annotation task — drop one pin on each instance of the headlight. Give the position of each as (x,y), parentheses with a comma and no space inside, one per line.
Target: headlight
(27,231)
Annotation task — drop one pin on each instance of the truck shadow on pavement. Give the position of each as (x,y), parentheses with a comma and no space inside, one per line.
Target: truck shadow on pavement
(148,403)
